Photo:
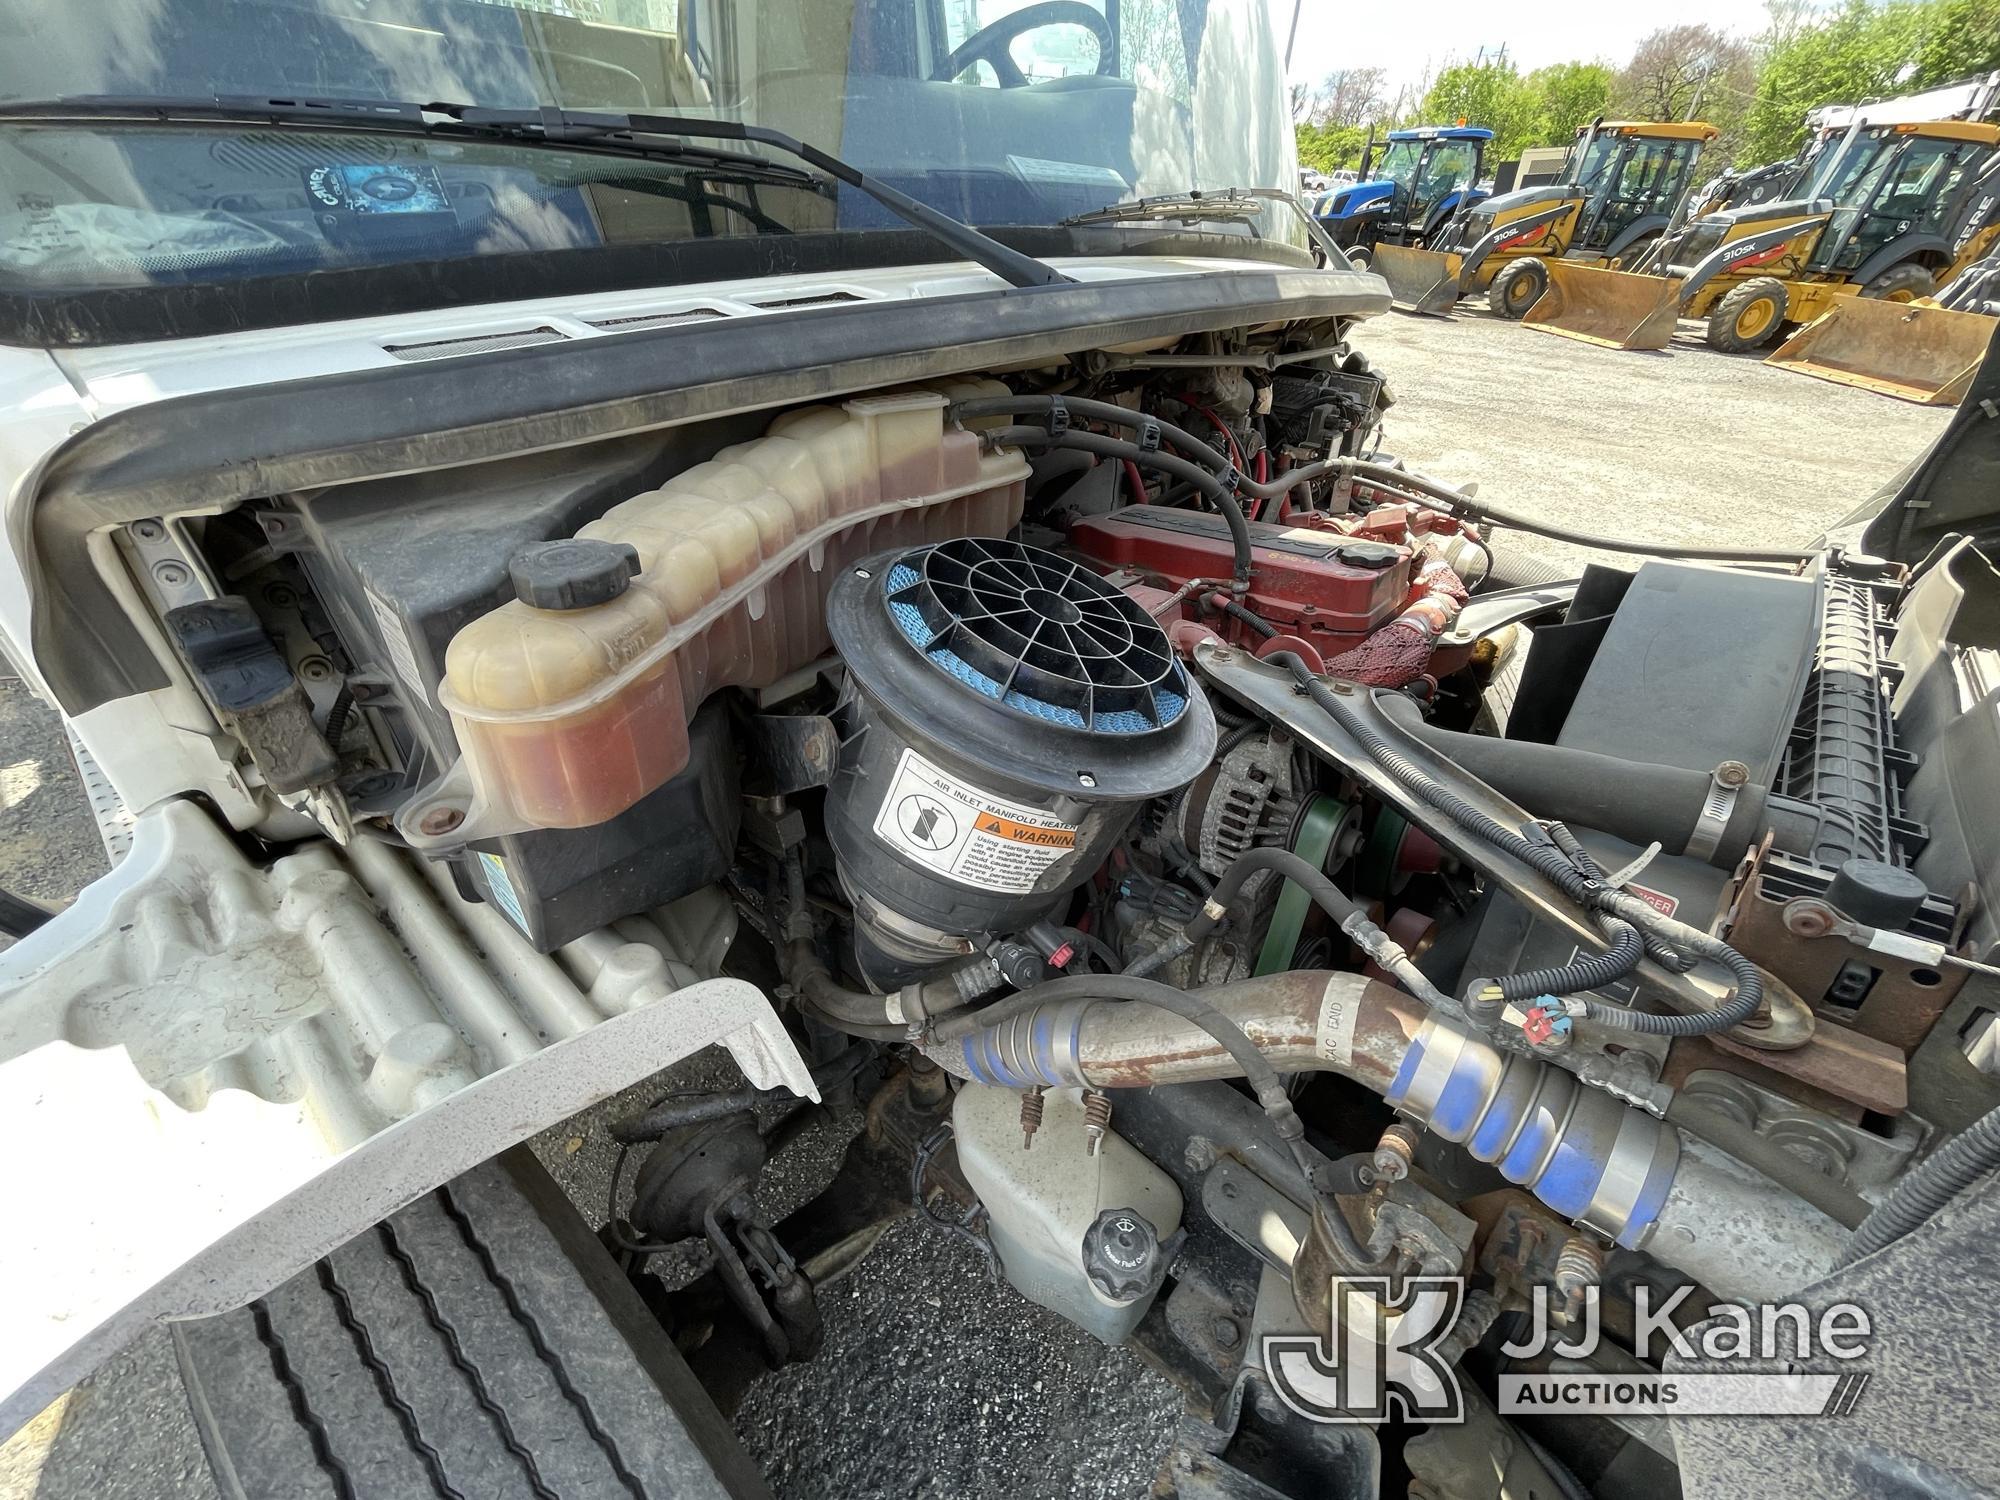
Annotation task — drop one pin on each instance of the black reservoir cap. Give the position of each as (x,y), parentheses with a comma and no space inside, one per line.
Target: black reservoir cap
(1876,894)
(1122,1255)
(572,574)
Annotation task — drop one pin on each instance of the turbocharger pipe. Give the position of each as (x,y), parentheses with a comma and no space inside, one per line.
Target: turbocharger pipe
(1590,1158)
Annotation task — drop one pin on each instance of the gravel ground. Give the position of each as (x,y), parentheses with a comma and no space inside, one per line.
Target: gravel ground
(934,1381)
(1682,445)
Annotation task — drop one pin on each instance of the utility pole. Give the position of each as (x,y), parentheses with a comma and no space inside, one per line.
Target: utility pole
(1701,87)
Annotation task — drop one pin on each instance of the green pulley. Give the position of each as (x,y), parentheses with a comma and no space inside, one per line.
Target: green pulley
(1318,826)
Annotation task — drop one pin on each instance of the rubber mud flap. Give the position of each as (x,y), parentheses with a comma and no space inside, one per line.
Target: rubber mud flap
(479,1343)
(1420,281)
(1901,349)
(1614,309)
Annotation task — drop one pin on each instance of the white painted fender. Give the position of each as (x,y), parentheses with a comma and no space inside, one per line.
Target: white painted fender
(212,1073)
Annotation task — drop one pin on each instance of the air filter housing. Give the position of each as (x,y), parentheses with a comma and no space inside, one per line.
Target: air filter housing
(1005,714)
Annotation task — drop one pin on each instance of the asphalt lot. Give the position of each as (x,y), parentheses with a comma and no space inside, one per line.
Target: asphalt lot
(934,1381)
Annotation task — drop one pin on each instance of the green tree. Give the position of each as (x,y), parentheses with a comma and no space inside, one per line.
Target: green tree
(1863,51)
(1489,94)
(1567,96)
(1325,148)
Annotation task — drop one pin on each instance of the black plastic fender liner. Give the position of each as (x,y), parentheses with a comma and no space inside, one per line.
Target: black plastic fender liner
(1897,251)
(206,453)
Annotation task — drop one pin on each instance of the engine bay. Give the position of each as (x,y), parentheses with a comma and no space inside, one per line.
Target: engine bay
(1219,872)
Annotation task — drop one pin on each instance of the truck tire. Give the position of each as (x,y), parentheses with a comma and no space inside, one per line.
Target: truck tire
(1904,283)
(1748,316)
(478,1344)
(1518,287)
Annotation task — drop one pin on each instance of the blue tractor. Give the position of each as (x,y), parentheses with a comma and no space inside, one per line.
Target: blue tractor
(1425,177)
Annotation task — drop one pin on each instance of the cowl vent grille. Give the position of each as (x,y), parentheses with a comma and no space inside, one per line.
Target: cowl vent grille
(482,343)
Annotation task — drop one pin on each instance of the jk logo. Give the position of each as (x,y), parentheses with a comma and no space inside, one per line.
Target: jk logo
(1379,1350)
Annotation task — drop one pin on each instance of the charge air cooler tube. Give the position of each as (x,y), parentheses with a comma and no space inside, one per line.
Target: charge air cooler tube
(1591,1158)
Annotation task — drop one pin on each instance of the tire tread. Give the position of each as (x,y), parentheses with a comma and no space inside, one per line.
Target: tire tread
(477,1345)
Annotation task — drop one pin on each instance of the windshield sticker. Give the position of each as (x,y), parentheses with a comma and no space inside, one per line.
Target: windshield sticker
(377,188)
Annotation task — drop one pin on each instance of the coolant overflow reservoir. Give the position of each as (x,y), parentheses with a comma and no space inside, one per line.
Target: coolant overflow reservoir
(1058,1214)
(572,701)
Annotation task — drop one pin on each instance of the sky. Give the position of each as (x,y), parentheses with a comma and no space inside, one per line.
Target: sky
(1405,38)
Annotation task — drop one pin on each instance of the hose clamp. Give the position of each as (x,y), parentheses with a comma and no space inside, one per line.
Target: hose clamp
(1725,785)
(1149,436)
(1058,416)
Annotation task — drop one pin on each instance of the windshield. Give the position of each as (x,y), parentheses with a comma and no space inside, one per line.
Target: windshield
(1849,174)
(1399,162)
(1588,167)
(999,112)
(1424,173)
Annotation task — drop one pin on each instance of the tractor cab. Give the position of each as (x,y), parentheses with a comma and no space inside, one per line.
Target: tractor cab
(1423,178)
(1630,178)
(1902,188)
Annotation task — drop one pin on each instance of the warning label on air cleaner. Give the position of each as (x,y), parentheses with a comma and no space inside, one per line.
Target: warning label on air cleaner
(968,834)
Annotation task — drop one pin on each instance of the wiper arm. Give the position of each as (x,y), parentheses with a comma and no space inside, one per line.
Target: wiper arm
(643,135)
(637,132)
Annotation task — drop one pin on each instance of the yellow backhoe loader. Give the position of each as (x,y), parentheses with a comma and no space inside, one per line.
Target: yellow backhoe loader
(1623,186)
(1886,212)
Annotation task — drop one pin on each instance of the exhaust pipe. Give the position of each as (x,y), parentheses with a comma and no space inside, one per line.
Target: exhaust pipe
(1592,1159)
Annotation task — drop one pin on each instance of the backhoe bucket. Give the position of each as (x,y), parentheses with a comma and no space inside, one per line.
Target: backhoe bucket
(1618,309)
(1902,349)
(1420,281)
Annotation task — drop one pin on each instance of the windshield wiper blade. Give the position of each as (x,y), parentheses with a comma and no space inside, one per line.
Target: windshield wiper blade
(1220,204)
(384,116)
(648,136)
(1188,208)
(387,116)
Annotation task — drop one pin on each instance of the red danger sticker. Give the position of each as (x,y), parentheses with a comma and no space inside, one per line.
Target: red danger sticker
(1660,901)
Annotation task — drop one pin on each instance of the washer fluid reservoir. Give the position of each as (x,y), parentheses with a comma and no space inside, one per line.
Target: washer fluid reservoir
(1044,1203)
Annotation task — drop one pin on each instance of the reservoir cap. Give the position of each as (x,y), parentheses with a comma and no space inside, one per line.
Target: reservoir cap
(1121,1255)
(572,574)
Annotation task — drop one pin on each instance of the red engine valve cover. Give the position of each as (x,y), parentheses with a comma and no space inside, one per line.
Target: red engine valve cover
(1367,597)
(1324,586)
